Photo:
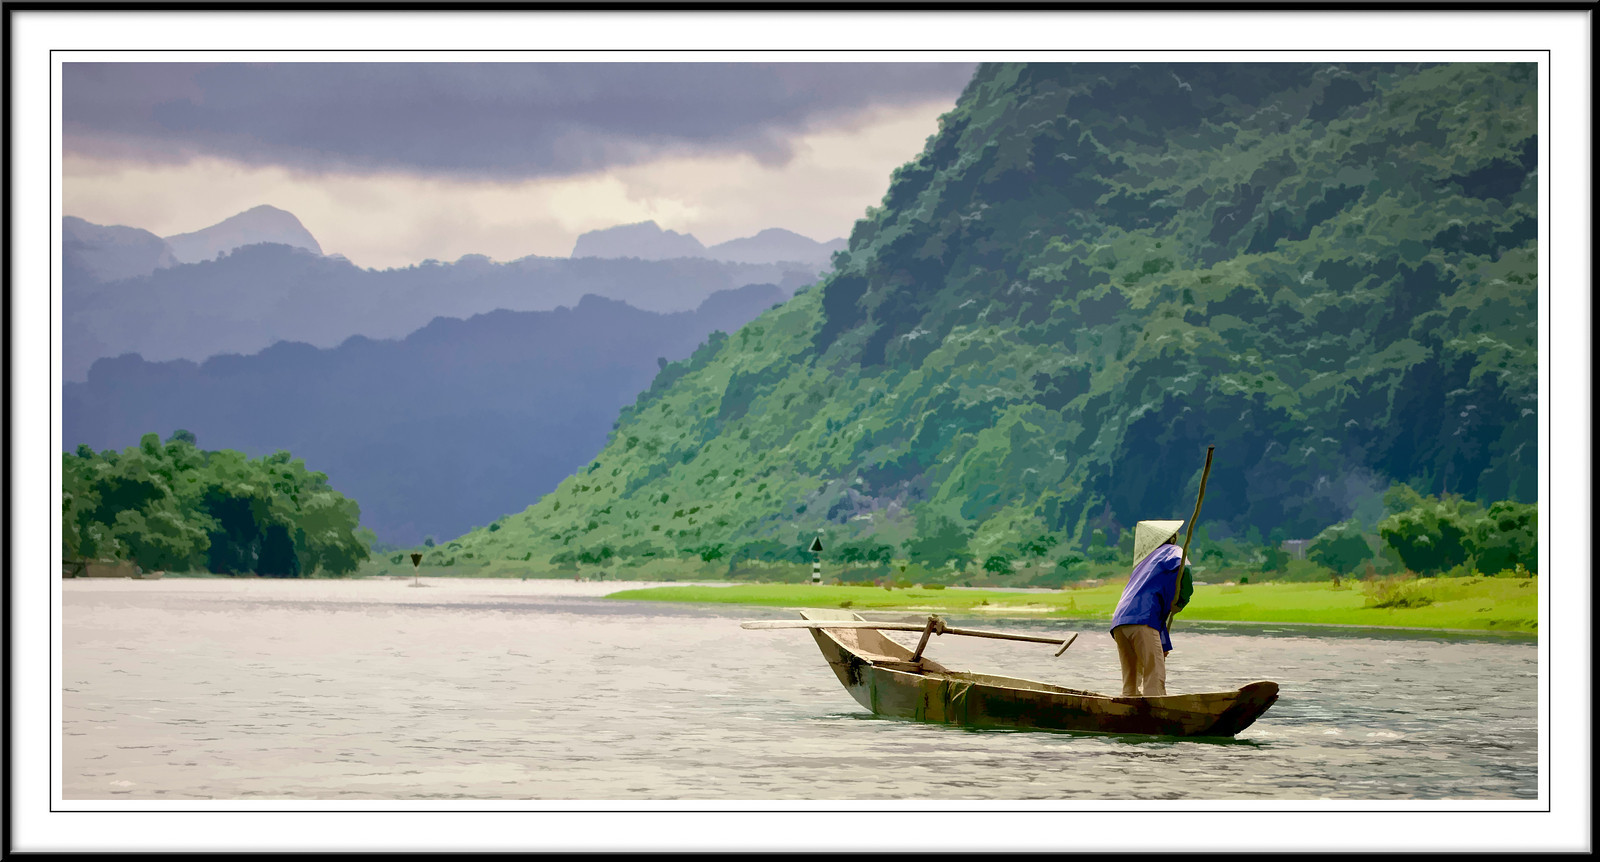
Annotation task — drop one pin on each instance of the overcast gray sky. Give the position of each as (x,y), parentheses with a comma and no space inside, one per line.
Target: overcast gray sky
(391,163)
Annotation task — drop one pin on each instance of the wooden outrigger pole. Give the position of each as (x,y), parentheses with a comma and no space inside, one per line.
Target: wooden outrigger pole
(934,626)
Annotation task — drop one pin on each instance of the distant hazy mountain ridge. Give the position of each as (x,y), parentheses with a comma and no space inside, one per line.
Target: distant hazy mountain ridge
(92,252)
(775,244)
(258,294)
(449,427)
(647,241)
(247,296)
(256,225)
(643,240)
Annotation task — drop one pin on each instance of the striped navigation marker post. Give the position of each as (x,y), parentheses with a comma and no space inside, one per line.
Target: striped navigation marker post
(416,568)
(816,561)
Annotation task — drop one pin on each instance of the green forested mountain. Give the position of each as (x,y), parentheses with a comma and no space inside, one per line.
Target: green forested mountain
(1089,274)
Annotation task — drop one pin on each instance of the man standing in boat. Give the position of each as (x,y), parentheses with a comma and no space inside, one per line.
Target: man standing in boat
(1139,624)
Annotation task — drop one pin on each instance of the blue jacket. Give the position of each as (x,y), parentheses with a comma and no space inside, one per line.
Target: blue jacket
(1148,595)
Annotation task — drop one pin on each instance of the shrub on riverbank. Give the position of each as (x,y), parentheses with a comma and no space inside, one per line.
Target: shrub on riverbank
(1395,592)
(1435,535)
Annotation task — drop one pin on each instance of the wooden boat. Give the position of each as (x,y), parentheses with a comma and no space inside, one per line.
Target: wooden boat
(880,674)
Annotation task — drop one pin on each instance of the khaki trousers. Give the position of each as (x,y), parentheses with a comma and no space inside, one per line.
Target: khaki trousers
(1144,665)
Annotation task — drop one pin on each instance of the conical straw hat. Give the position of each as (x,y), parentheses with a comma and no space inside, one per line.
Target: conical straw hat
(1149,535)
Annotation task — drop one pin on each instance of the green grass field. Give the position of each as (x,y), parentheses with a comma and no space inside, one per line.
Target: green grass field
(1483,604)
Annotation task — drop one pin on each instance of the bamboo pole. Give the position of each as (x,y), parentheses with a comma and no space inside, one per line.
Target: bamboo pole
(1177,583)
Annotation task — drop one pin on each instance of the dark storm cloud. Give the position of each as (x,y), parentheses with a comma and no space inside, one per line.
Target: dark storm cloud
(473,119)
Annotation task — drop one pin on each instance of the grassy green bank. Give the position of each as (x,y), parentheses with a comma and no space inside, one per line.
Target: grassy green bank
(1484,604)
(383,565)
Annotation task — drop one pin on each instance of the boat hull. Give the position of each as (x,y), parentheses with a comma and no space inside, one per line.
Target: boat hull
(877,673)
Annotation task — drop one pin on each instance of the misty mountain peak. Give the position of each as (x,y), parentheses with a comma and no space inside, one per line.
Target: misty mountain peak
(644,240)
(647,241)
(775,244)
(100,253)
(255,225)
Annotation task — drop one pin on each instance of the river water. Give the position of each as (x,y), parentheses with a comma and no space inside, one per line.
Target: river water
(224,689)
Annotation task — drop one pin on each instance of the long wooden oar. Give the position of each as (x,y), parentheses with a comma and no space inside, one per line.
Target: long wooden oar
(1177,584)
(899,627)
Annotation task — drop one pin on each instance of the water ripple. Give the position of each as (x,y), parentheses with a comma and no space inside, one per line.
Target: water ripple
(490,690)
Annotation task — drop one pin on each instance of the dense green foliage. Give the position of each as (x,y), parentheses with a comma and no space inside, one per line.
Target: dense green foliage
(1435,536)
(1090,273)
(1340,548)
(176,507)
